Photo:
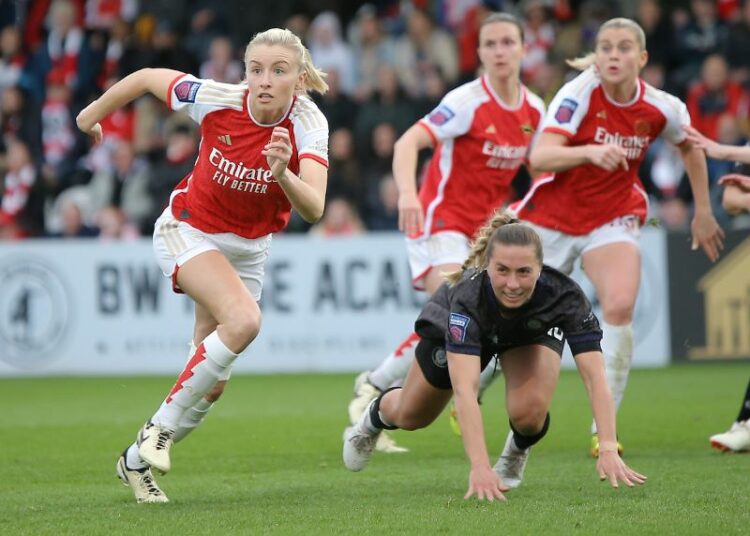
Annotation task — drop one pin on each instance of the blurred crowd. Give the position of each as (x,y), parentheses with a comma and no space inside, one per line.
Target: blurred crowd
(388,63)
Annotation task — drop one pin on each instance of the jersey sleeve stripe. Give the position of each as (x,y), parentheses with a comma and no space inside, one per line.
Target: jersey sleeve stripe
(557,130)
(312,156)
(171,88)
(422,123)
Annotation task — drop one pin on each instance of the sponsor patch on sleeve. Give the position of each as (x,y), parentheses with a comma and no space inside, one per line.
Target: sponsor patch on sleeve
(441,115)
(457,325)
(566,110)
(185,91)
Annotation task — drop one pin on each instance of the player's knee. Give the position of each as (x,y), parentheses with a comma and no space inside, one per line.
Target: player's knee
(531,420)
(618,310)
(243,325)
(216,391)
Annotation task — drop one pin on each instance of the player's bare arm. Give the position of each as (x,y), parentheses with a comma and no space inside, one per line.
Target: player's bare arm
(154,81)
(405,153)
(307,191)
(717,150)
(552,154)
(609,464)
(705,230)
(464,373)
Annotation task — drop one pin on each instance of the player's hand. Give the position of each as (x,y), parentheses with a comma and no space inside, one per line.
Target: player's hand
(95,132)
(611,467)
(735,179)
(410,218)
(608,156)
(278,151)
(711,148)
(486,484)
(707,235)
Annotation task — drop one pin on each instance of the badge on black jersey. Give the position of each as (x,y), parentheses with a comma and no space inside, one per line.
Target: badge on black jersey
(457,325)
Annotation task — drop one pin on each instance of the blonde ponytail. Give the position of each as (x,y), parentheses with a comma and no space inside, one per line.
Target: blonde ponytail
(582,62)
(314,77)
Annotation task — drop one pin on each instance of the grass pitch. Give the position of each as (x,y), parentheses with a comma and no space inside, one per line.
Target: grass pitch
(268,461)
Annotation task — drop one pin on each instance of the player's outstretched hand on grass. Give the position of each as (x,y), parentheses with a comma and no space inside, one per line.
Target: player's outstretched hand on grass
(485,484)
(611,467)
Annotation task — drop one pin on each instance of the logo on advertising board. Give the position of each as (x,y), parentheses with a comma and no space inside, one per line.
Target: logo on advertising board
(34,313)
(726,297)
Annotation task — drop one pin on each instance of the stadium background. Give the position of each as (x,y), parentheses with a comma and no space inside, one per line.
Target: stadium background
(389,63)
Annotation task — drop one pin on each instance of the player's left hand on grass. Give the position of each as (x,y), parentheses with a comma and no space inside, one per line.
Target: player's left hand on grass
(611,467)
(707,235)
(278,151)
(485,484)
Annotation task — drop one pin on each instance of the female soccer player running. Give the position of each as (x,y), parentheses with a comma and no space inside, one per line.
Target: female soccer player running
(594,138)
(481,132)
(263,152)
(502,301)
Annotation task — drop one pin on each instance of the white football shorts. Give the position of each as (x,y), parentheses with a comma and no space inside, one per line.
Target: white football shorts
(562,250)
(445,247)
(176,242)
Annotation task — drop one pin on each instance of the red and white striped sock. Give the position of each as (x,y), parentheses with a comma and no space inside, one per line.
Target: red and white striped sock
(210,361)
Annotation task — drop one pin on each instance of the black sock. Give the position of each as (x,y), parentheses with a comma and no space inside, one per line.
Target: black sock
(375,419)
(745,410)
(523,442)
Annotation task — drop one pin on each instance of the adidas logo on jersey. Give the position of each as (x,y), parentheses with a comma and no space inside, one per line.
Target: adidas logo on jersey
(225,139)
(490,130)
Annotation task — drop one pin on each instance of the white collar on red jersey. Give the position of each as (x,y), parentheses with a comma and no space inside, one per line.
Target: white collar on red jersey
(511,108)
(284,115)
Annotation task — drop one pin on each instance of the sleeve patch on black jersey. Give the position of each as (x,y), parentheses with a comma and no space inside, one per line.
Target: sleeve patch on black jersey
(457,325)
(185,91)
(441,115)
(566,110)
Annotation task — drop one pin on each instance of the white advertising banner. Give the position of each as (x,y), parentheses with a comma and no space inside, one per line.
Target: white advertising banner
(93,308)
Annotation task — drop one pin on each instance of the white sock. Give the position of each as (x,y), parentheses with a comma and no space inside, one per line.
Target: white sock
(133,459)
(396,365)
(488,375)
(191,419)
(617,346)
(204,369)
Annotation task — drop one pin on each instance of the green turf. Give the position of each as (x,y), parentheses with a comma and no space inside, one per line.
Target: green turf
(268,461)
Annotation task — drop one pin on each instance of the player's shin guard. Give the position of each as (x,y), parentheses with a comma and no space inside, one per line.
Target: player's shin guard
(191,419)
(205,368)
(617,347)
(396,365)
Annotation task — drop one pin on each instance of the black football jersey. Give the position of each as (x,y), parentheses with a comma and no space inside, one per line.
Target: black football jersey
(472,321)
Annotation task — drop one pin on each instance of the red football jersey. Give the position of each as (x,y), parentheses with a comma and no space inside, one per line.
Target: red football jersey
(578,200)
(480,142)
(231,188)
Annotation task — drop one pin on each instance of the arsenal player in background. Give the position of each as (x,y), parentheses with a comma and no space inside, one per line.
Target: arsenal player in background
(594,138)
